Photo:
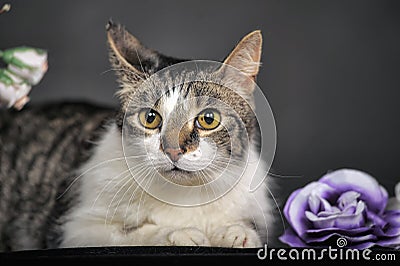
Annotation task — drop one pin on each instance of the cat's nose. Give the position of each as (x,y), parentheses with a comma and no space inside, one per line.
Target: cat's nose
(173,154)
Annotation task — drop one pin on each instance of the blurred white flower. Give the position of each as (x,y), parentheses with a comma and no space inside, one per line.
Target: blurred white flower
(26,62)
(13,90)
(394,202)
(5,8)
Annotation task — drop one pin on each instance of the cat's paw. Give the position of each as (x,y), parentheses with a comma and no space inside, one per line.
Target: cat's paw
(188,237)
(235,236)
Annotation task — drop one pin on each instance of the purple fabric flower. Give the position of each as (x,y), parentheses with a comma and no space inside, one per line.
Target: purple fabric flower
(394,202)
(346,204)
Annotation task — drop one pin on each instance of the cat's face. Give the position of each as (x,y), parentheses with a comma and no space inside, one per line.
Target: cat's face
(188,131)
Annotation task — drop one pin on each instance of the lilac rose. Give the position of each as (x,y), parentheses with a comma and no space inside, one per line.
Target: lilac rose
(394,202)
(345,203)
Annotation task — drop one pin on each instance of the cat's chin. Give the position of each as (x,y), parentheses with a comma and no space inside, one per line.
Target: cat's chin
(183,177)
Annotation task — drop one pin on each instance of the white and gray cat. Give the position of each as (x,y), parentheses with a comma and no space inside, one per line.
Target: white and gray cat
(187,134)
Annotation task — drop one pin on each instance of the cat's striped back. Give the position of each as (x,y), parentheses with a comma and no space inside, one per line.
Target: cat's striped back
(39,149)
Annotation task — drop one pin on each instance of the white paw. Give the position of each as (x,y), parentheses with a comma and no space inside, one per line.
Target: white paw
(235,236)
(188,237)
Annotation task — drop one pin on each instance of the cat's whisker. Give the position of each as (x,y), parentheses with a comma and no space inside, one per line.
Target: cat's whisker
(284,176)
(120,200)
(270,173)
(207,179)
(109,70)
(123,69)
(125,180)
(129,203)
(203,179)
(130,179)
(256,226)
(230,176)
(106,185)
(215,167)
(136,167)
(75,179)
(229,166)
(232,162)
(224,168)
(228,159)
(277,206)
(123,196)
(143,191)
(142,169)
(264,218)
(141,65)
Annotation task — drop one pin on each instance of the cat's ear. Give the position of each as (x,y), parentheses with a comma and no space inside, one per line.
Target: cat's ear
(131,60)
(246,57)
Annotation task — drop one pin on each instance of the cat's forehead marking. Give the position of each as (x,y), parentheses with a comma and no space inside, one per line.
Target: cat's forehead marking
(170,100)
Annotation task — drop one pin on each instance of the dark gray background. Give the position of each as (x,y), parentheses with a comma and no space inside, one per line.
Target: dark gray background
(330,68)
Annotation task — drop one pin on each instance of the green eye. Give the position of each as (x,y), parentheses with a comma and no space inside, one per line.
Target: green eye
(208,119)
(150,118)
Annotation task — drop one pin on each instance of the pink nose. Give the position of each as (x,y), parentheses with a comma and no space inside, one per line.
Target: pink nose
(173,154)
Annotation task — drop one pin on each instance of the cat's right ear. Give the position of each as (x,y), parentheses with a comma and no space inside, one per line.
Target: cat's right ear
(130,59)
(126,53)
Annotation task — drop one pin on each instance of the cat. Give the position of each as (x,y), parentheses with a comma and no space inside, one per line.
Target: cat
(71,173)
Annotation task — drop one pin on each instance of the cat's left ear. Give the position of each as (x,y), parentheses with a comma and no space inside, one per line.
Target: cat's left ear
(246,57)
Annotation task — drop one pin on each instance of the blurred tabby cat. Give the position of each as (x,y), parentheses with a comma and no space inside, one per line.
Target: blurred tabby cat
(64,181)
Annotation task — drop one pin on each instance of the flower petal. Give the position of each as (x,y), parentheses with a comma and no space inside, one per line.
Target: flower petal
(326,206)
(12,88)
(297,204)
(28,63)
(392,231)
(32,76)
(314,203)
(348,221)
(349,210)
(375,219)
(320,222)
(392,218)
(348,198)
(387,232)
(352,240)
(393,242)
(31,57)
(341,231)
(334,211)
(290,237)
(374,195)
(393,204)
(339,220)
